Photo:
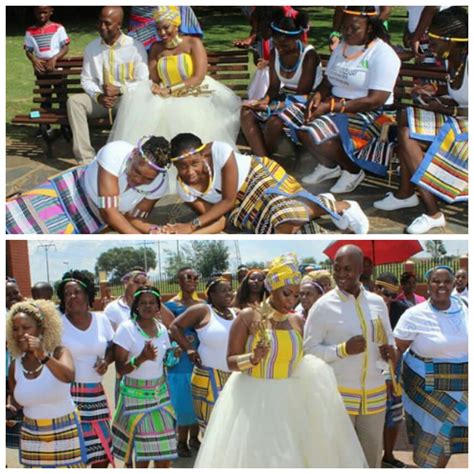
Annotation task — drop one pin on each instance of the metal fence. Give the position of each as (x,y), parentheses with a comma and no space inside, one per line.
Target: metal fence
(170,286)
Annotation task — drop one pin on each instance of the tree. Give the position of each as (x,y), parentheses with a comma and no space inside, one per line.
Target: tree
(255,264)
(308,260)
(436,248)
(118,261)
(205,256)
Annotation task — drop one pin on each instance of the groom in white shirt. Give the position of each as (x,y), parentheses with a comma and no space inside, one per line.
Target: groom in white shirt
(113,64)
(349,328)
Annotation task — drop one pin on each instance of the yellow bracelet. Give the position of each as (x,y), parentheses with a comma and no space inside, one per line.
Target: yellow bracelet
(332,105)
(244,361)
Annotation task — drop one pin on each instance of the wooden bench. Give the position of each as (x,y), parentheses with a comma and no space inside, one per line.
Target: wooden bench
(50,94)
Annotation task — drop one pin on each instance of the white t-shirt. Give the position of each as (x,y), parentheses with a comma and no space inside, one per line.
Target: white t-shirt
(376,69)
(86,346)
(117,312)
(220,154)
(113,158)
(435,334)
(129,337)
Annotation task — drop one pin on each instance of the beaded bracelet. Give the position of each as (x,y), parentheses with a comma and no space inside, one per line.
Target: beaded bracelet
(335,34)
(133,362)
(343,105)
(107,202)
(139,213)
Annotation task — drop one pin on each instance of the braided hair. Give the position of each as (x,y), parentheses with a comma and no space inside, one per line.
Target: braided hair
(183,142)
(452,22)
(157,150)
(291,24)
(85,283)
(137,296)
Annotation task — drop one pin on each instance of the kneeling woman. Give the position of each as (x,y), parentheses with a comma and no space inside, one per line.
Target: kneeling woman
(144,421)
(280,409)
(40,380)
(118,189)
(254,193)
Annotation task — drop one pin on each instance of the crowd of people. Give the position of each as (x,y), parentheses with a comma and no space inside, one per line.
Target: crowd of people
(298,367)
(154,87)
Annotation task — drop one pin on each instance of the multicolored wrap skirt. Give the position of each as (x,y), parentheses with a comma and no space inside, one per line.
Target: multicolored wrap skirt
(144,421)
(55,442)
(435,400)
(444,169)
(394,413)
(93,408)
(206,385)
(269,197)
(360,134)
(58,206)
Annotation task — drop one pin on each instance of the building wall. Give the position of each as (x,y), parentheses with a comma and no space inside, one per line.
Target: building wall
(18,264)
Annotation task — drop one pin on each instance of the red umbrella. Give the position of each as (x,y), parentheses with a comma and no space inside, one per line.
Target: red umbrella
(379,251)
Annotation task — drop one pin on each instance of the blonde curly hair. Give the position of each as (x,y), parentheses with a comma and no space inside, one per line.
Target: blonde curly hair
(47,317)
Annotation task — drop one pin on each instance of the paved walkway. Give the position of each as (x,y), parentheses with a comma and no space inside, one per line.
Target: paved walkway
(402,452)
(27,166)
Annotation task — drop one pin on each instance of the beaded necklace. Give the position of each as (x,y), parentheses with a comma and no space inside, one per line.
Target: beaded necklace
(357,54)
(452,78)
(31,372)
(128,163)
(159,330)
(190,191)
(298,61)
(450,311)
(222,314)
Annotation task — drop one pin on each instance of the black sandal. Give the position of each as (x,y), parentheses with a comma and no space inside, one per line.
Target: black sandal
(183,450)
(194,443)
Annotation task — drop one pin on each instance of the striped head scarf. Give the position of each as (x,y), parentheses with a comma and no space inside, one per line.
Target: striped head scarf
(170,13)
(283,271)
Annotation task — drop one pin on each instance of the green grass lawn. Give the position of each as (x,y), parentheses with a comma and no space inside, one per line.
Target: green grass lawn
(222,25)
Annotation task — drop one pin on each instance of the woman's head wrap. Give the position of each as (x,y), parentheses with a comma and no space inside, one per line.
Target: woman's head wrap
(171,14)
(283,271)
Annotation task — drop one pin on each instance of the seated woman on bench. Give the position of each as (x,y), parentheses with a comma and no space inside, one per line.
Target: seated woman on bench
(179,97)
(253,194)
(433,137)
(295,71)
(119,189)
(342,122)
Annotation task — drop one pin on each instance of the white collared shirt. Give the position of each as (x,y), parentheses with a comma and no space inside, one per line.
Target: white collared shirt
(336,317)
(123,64)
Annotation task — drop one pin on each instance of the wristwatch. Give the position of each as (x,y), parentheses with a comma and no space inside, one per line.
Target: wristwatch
(196,223)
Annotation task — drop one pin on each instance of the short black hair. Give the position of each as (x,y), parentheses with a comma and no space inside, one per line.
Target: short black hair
(138,294)
(183,142)
(157,150)
(87,285)
(213,284)
(452,22)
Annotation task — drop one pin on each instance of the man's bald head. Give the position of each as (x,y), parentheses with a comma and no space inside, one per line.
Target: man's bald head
(110,22)
(348,265)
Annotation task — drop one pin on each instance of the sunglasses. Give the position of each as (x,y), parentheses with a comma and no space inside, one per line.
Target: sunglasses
(190,277)
(387,293)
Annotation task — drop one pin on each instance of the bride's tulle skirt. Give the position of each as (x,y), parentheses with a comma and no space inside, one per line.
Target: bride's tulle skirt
(212,117)
(296,422)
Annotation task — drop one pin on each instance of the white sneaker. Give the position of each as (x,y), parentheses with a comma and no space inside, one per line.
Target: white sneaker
(347,182)
(424,223)
(322,173)
(352,218)
(392,203)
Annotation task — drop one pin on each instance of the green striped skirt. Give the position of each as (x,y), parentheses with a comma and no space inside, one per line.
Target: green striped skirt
(144,424)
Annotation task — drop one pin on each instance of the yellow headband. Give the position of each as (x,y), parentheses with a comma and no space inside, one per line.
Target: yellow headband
(172,14)
(283,271)
(193,151)
(387,286)
(448,38)
(214,282)
(357,13)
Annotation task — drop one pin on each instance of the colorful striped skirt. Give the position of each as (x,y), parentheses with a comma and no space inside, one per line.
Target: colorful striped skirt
(56,442)
(144,421)
(206,385)
(394,413)
(435,400)
(93,408)
(360,134)
(444,169)
(58,206)
(270,197)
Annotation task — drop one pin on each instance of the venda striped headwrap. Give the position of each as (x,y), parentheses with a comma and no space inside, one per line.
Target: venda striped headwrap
(170,13)
(283,271)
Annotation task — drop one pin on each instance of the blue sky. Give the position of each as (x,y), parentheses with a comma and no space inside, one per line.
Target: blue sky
(82,253)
